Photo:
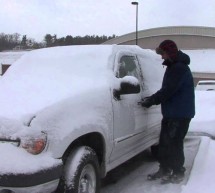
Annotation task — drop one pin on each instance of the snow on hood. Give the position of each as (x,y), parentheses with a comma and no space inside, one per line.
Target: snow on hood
(45,76)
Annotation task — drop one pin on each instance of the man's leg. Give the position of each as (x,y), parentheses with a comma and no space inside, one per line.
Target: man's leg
(164,144)
(177,131)
(163,153)
(178,145)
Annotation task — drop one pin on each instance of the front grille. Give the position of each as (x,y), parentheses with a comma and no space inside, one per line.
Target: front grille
(15,142)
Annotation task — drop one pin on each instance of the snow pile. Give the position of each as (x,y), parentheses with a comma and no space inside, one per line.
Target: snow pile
(204,121)
(203,172)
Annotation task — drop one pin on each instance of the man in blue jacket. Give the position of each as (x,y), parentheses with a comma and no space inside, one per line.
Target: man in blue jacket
(177,100)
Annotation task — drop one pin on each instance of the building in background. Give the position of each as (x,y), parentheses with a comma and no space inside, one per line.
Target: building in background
(186,37)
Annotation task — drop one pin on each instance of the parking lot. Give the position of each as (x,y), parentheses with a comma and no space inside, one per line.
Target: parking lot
(131,176)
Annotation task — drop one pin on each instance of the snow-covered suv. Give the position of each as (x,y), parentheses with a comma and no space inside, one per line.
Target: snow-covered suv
(68,115)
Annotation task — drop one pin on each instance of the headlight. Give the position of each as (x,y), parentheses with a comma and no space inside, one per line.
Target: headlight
(34,145)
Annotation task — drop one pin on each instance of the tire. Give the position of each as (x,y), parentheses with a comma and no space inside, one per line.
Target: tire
(81,172)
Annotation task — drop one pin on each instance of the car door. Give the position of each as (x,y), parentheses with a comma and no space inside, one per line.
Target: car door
(130,118)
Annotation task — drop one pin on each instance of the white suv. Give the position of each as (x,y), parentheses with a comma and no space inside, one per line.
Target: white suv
(70,114)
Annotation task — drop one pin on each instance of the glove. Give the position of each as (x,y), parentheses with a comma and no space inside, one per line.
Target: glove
(147,102)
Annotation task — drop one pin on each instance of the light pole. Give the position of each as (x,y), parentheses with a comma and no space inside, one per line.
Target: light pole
(136,3)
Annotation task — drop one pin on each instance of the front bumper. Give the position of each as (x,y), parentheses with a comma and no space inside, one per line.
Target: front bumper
(20,170)
(40,181)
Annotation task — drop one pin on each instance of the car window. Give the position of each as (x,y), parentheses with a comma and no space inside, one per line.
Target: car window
(127,67)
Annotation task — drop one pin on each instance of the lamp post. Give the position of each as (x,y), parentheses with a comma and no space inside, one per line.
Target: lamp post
(136,3)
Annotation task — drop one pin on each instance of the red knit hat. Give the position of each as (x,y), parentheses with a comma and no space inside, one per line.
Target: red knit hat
(169,47)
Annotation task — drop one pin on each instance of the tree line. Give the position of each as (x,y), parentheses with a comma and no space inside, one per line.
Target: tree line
(77,40)
(16,41)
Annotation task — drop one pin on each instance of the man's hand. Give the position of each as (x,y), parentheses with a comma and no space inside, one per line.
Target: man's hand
(147,102)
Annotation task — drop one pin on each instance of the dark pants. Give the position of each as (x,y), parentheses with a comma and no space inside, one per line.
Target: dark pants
(171,144)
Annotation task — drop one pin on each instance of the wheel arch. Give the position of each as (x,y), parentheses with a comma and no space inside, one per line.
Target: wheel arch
(94,140)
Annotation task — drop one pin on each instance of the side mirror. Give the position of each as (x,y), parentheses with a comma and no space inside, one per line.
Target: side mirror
(128,85)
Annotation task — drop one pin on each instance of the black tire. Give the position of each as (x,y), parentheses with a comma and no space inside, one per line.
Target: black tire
(81,172)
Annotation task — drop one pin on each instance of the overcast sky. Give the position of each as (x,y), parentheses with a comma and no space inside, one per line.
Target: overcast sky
(36,18)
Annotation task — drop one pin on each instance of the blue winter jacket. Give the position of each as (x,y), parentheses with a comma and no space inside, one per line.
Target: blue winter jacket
(176,95)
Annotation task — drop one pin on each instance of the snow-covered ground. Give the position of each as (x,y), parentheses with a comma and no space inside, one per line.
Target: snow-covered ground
(10,57)
(131,177)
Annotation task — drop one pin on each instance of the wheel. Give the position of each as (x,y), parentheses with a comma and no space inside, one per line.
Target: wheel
(81,172)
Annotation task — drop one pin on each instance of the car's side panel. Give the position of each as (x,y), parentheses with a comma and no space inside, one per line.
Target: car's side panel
(135,128)
(130,119)
(130,122)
